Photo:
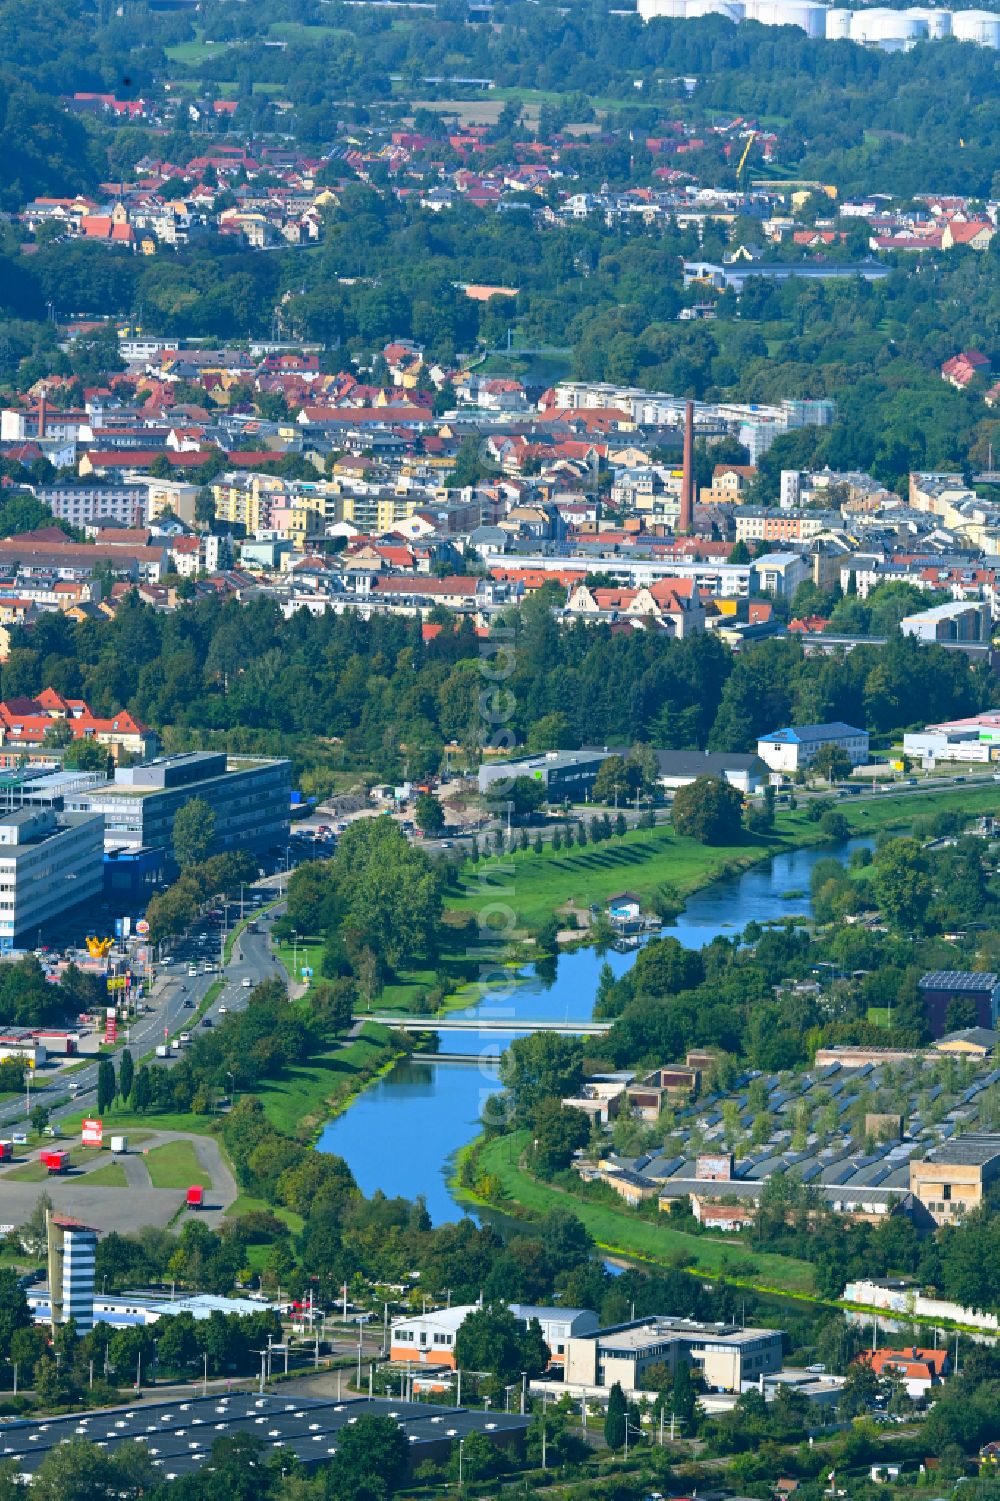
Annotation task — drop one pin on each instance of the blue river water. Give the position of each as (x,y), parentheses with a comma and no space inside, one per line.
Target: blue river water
(401,1135)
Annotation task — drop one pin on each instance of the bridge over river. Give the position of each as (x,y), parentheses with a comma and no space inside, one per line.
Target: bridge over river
(513,1026)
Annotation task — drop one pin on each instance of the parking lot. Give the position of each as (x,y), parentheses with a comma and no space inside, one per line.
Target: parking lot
(180,1435)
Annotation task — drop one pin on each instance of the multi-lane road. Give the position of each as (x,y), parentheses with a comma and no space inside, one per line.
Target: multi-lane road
(171,1009)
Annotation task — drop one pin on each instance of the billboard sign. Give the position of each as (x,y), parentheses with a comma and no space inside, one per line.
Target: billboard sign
(92,1133)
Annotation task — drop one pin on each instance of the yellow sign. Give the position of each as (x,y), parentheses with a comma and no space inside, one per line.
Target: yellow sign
(116,982)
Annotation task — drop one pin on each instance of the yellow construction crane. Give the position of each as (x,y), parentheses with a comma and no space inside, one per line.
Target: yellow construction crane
(746,152)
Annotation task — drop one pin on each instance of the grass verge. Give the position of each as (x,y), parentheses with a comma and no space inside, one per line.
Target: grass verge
(175,1165)
(310,1094)
(112,1175)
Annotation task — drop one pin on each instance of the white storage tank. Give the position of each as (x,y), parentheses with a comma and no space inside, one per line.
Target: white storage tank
(980,26)
(892,28)
(838,25)
(649,9)
(805,14)
(733,10)
(938,21)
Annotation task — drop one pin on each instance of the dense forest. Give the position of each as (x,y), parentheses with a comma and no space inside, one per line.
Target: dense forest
(352,692)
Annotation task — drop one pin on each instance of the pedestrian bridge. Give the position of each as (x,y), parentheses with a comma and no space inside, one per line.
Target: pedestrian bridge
(515,1026)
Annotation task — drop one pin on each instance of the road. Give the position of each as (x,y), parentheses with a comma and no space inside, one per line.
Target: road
(175,999)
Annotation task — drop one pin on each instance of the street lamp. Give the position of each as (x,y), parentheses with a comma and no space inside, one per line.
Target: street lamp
(629,1425)
(461,1446)
(232,1085)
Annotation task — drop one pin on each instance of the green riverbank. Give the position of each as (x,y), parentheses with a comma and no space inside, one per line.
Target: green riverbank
(643,860)
(496,1166)
(298,1103)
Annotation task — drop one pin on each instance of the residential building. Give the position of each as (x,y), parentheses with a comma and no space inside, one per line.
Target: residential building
(30,723)
(725,1357)
(781,573)
(795,748)
(249,796)
(50,863)
(918,1369)
(756,524)
(980,991)
(961,370)
(83,505)
(951,1180)
(72,1254)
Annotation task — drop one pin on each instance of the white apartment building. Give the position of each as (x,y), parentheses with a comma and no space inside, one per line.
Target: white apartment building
(49,863)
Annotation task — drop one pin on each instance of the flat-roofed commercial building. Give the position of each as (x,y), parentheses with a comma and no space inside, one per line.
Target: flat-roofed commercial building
(562,773)
(951,1180)
(977,990)
(49,863)
(726,1357)
(249,796)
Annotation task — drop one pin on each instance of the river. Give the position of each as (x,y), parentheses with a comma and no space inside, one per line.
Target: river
(401,1135)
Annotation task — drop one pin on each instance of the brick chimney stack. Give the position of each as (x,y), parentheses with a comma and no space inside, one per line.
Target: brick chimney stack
(41,415)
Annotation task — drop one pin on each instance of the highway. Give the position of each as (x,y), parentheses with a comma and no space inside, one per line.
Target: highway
(171,1009)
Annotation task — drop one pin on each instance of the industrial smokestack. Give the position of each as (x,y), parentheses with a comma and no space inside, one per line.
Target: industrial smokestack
(41,415)
(686,521)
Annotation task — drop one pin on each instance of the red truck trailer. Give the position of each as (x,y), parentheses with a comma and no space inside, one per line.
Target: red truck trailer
(196,1197)
(55,1161)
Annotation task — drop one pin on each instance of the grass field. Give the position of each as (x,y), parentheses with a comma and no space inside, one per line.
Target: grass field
(175,1165)
(307,1094)
(622,1231)
(298,31)
(112,1175)
(28,1172)
(190,54)
(642,861)
(121,1120)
